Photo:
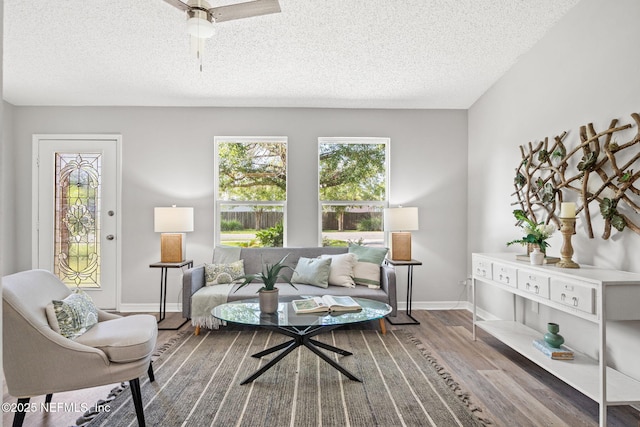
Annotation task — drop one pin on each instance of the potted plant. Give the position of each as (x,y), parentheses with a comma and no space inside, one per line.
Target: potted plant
(536,234)
(268,294)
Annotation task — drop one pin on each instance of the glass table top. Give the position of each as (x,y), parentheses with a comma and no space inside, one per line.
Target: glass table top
(247,312)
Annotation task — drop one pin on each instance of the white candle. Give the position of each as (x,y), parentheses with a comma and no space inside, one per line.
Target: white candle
(567,210)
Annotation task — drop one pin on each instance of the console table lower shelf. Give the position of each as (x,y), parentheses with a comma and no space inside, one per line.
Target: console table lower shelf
(582,373)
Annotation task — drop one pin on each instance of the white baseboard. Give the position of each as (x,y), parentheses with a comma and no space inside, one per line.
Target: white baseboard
(436,305)
(150,308)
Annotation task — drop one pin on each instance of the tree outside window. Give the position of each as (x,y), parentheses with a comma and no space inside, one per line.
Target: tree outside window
(353,180)
(251,178)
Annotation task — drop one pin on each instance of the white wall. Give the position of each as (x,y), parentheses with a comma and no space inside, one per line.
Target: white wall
(7,209)
(168,159)
(584,70)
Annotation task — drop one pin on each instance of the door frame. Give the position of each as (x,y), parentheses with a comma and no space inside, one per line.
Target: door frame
(35,196)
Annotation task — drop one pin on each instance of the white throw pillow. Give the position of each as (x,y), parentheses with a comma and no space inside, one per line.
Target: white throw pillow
(342,266)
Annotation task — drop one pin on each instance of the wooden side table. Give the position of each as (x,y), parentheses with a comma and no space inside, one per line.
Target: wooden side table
(409,265)
(164,267)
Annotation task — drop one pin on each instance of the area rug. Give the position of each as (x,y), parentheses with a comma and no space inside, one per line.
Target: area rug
(198,384)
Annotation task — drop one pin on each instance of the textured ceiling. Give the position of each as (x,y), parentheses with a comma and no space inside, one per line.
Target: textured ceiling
(316,53)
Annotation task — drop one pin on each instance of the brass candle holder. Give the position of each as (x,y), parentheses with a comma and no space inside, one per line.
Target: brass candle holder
(567,228)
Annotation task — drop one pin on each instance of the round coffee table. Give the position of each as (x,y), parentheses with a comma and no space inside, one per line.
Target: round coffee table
(300,327)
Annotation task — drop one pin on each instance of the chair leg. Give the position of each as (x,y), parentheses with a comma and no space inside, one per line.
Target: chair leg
(152,377)
(18,418)
(197,331)
(137,400)
(383,327)
(48,398)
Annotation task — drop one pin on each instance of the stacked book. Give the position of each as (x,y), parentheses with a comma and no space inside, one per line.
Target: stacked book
(562,353)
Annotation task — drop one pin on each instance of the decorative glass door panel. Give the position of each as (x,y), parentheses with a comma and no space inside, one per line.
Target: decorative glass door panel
(77,218)
(77,212)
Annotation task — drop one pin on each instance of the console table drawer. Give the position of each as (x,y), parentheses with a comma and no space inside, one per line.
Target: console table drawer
(573,295)
(533,283)
(482,267)
(505,274)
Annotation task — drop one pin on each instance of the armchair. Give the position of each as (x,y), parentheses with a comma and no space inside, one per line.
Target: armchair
(37,360)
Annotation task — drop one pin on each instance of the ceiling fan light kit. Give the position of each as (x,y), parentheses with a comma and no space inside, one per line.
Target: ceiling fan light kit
(199,27)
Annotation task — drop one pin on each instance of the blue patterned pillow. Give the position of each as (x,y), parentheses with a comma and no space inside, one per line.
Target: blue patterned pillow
(75,314)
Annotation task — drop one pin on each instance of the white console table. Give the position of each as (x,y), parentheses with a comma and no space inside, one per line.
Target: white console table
(591,293)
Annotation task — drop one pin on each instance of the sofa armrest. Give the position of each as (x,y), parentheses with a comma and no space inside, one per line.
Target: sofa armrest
(388,284)
(192,280)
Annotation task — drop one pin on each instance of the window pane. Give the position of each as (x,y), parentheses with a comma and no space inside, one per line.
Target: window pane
(77,228)
(352,171)
(251,225)
(253,171)
(361,225)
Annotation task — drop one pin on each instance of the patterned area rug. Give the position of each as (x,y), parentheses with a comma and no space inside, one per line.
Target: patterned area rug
(198,383)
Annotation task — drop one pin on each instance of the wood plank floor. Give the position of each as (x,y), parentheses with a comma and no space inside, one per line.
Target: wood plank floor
(508,388)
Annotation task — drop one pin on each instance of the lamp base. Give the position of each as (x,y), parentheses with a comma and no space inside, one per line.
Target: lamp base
(400,246)
(172,247)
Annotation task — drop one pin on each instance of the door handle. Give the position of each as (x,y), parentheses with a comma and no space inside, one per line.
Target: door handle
(110,237)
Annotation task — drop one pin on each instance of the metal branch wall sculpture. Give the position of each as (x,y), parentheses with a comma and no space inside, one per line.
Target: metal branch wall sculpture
(599,169)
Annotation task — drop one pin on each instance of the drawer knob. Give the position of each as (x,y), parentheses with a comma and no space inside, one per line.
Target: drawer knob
(537,289)
(563,297)
(575,301)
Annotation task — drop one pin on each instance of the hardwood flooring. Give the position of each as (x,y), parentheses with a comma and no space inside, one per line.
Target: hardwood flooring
(510,390)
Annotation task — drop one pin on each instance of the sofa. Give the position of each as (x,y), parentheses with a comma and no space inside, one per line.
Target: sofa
(253,260)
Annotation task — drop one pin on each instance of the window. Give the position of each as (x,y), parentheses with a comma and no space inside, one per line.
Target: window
(251,191)
(353,190)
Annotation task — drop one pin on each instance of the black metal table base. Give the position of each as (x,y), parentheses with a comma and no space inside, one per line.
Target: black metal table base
(164,272)
(300,338)
(409,299)
(172,329)
(408,314)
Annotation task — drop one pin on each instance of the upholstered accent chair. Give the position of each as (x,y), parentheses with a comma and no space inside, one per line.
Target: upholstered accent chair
(40,361)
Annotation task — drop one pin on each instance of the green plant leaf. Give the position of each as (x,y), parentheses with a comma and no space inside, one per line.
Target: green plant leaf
(548,193)
(626,176)
(519,180)
(607,208)
(543,156)
(618,222)
(588,161)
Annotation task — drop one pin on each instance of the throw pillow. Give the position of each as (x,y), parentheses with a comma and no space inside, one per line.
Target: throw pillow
(73,316)
(312,271)
(341,273)
(226,254)
(221,274)
(367,269)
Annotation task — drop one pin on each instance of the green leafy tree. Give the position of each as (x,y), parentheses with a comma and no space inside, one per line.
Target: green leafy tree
(253,171)
(351,172)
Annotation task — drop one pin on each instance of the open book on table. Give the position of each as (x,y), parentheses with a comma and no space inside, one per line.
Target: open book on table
(325,303)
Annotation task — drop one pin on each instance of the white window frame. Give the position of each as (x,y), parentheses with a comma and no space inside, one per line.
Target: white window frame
(216,182)
(354,140)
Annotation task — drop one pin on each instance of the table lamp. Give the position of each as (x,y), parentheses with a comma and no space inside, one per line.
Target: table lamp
(173,222)
(400,221)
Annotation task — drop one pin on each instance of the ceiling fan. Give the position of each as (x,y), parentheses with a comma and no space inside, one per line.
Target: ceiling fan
(201,17)
(202,11)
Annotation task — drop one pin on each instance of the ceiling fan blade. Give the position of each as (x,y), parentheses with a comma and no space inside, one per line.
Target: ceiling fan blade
(180,5)
(244,10)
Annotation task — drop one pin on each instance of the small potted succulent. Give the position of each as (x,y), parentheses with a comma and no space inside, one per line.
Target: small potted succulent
(268,294)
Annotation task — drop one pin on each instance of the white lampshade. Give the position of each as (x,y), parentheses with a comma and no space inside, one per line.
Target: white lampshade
(173,220)
(200,27)
(400,219)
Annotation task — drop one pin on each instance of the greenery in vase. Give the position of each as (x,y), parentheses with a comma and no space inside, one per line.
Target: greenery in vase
(536,234)
(269,276)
